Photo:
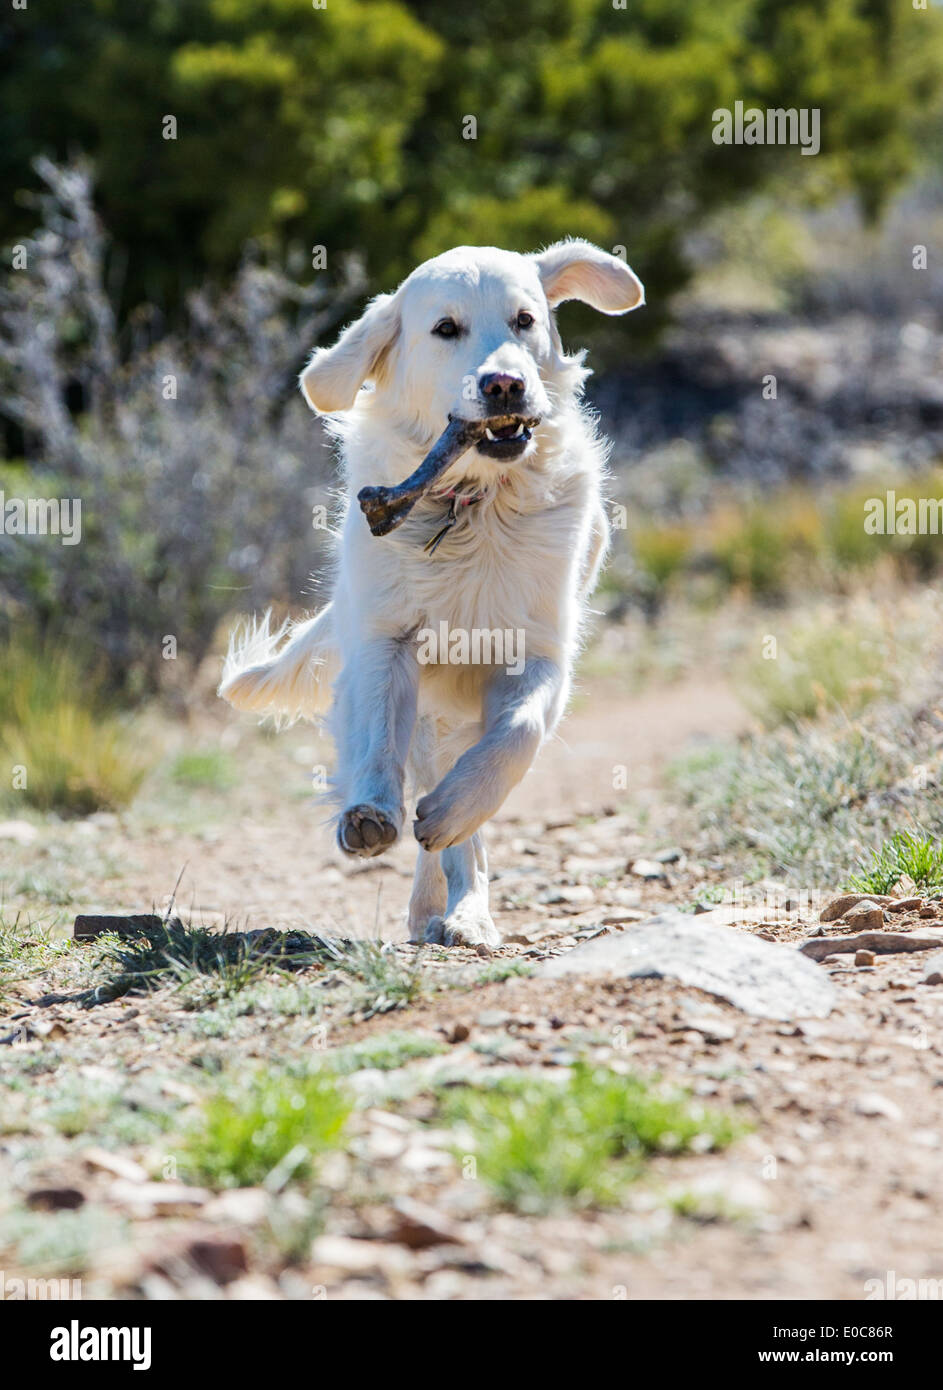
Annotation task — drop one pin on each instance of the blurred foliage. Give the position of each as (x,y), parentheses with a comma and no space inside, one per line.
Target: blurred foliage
(194,458)
(74,756)
(793,541)
(342,126)
(818,665)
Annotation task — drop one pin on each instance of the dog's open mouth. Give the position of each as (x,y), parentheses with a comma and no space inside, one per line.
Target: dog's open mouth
(506,437)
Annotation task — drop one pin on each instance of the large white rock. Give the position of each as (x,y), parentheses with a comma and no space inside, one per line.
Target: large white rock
(759,977)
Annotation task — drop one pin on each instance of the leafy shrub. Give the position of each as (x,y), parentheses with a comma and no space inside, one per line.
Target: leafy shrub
(191,451)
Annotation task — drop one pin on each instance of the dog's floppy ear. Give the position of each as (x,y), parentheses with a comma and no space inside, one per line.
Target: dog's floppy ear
(334,375)
(579,270)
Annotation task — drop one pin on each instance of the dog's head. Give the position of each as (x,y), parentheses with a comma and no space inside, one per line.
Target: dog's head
(471,335)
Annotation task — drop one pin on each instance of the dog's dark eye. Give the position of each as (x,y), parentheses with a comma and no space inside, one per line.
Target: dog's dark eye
(525,320)
(446,328)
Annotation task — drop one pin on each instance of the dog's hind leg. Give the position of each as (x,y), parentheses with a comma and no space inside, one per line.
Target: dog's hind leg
(467,918)
(429,895)
(372,722)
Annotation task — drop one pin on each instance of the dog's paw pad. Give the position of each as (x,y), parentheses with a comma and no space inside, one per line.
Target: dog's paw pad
(365,830)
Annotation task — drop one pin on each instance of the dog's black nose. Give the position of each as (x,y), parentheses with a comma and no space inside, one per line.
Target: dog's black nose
(502,389)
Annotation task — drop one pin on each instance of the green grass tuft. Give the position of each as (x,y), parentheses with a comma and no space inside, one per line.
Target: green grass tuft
(904,855)
(541,1144)
(242,1138)
(208,768)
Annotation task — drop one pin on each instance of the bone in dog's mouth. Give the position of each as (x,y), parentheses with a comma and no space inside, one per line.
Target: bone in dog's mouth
(500,437)
(505,437)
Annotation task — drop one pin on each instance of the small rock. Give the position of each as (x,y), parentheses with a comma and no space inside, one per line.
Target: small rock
(55,1199)
(240,1206)
(865,916)
(116,1164)
(21,831)
(616,917)
(47,1029)
(458,1033)
(647,868)
(873,1104)
(904,905)
(839,906)
(358,1257)
(933,973)
(864,957)
(626,897)
(494,1018)
(927,911)
(222,1258)
(483,950)
(419,1226)
(669,856)
(158,1196)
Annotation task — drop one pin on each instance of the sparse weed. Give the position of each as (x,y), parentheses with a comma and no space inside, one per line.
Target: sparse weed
(242,1137)
(540,1144)
(904,856)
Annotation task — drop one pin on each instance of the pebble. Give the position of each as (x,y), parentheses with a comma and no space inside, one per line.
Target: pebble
(647,868)
(873,1104)
(21,831)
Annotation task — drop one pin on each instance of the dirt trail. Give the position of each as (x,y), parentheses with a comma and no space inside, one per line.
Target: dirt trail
(834,1186)
(277,866)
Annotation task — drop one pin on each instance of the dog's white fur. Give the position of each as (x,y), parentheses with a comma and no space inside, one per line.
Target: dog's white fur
(524,557)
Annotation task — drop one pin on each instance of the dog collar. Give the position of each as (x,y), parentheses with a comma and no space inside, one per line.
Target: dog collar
(455,501)
(451,519)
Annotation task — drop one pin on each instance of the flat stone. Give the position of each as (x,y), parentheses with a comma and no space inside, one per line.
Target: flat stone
(87,927)
(758,977)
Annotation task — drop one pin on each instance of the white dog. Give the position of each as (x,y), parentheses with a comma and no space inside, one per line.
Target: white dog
(508,543)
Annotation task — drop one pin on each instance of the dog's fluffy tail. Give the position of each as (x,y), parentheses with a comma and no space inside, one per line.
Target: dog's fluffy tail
(286,672)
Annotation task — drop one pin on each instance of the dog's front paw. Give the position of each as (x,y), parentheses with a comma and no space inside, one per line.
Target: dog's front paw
(443,819)
(463,927)
(365,831)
